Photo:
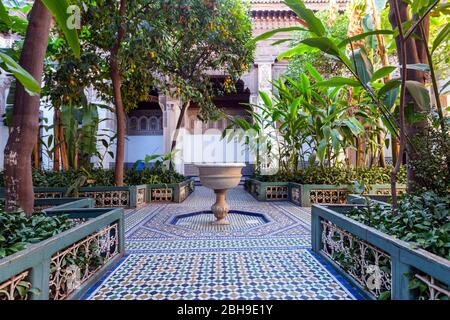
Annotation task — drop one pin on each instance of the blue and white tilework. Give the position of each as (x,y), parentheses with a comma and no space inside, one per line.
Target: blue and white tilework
(173,252)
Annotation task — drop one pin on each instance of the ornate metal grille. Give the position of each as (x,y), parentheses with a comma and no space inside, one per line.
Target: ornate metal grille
(185,191)
(295,195)
(16,287)
(328,196)
(256,189)
(140,200)
(276,192)
(435,291)
(368,265)
(387,192)
(71,267)
(163,194)
(108,198)
(41,195)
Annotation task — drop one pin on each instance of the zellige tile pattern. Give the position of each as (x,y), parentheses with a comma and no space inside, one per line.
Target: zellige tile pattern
(173,252)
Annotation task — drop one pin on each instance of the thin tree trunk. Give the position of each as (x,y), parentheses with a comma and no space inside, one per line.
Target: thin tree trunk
(177,129)
(414,52)
(63,147)
(396,20)
(382,161)
(117,84)
(36,162)
(384,62)
(394,149)
(25,122)
(359,153)
(56,142)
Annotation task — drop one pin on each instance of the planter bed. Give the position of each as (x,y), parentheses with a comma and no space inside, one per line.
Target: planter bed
(361,199)
(267,191)
(307,194)
(123,197)
(375,255)
(46,266)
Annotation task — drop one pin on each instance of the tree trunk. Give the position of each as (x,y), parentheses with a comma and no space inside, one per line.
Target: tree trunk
(56,143)
(414,54)
(359,153)
(177,130)
(179,122)
(380,140)
(394,149)
(63,148)
(117,84)
(36,159)
(381,44)
(25,122)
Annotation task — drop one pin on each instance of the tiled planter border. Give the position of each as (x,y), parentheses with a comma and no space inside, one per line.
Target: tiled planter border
(123,197)
(41,263)
(405,259)
(307,194)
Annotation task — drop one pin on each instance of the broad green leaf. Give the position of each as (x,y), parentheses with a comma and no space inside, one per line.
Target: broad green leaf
(4,15)
(389,126)
(321,149)
(362,36)
(419,93)
(362,65)
(419,66)
(313,72)
(338,82)
(297,50)
(382,72)
(385,295)
(353,125)
(314,24)
(269,34)
(390,97)
(280,42)
(335,140)
(25,78)
(388,86)
(327,46)
(59,9)
(326,132)
(368,26)
(266,99)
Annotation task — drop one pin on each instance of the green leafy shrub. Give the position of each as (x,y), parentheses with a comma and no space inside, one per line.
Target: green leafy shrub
(430,160)
(100,177)
(337,175)
(420,219)
(17,230)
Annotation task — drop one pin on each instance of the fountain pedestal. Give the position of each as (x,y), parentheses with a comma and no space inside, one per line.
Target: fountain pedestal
(220,208)
(220,177)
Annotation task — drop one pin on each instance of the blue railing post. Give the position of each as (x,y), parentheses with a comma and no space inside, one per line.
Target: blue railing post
(39,279)
(316,231)
(400,281)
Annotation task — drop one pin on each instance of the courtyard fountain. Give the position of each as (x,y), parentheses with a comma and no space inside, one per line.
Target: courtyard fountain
(220,177)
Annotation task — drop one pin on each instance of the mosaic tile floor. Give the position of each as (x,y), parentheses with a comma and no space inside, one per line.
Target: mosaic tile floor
(173,252)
